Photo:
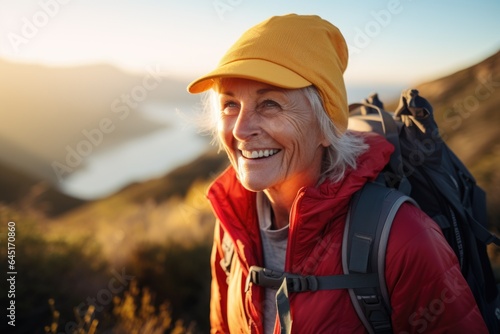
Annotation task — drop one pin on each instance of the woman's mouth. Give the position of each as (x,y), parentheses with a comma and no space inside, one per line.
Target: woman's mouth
(256,154)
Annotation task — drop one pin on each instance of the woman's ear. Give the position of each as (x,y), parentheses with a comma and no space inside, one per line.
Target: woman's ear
(324,142)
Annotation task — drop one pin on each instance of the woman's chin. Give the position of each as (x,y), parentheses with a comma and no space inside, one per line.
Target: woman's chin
(253,183)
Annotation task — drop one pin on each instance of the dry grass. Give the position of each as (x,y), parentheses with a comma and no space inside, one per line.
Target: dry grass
(132,313)
(122,225)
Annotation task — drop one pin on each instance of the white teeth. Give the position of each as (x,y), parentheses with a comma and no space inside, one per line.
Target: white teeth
(258,154)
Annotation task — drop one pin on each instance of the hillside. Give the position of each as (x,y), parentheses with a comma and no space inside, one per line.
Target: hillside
(25,192)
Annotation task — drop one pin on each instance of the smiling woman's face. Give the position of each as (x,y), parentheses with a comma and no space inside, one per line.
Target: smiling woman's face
(270,135)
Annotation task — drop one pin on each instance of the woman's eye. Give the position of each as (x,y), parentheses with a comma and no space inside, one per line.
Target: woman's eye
(270,104)
(230,107)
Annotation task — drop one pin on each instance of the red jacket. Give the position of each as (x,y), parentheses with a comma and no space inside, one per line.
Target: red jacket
(428,292)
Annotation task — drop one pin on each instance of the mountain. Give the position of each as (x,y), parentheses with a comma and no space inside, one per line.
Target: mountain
(49,113)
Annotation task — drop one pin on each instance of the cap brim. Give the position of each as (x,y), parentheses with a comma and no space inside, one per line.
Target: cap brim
(253,69)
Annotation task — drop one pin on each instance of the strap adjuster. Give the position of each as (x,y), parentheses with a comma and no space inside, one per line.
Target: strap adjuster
(302,283)
(273,279)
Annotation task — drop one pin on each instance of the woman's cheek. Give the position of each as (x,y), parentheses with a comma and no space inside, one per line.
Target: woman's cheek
(224,130)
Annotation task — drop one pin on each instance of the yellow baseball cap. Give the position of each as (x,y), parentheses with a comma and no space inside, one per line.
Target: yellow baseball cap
(291,51)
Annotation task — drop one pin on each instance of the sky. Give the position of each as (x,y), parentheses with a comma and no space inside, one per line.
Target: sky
(390,41)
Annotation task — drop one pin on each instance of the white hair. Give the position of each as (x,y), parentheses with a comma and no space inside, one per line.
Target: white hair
(340,155)
(344,147)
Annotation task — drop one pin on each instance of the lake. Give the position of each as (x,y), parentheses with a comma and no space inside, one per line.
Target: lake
(143,158)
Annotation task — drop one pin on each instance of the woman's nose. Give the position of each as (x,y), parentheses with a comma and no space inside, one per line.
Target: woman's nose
(247,124)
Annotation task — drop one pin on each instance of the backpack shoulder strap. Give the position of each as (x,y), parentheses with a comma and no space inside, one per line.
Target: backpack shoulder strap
(383,124)
(366,233)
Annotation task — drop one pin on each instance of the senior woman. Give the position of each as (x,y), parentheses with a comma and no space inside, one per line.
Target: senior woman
(280,110)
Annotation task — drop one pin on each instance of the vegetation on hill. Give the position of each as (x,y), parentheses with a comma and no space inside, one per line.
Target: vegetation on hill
(23,190)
